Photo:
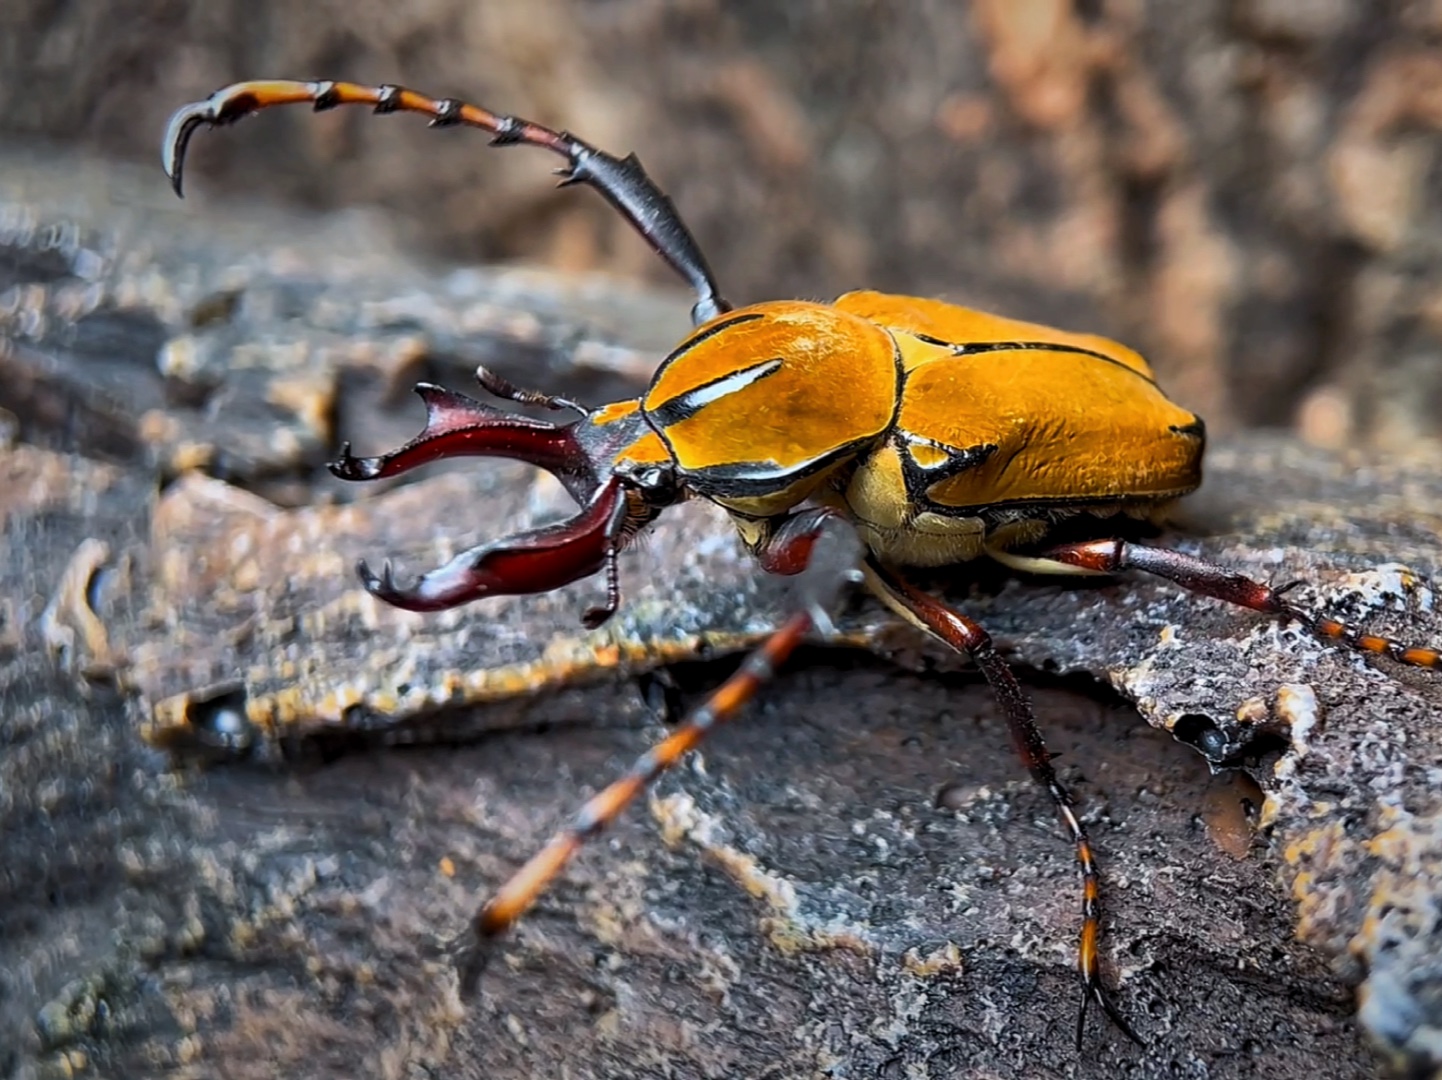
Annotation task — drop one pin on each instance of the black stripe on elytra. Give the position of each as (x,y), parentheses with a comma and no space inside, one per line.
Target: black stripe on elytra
(684,405)
(976,347)
(731,481)
(705,335)
(920,480)
(1196,429)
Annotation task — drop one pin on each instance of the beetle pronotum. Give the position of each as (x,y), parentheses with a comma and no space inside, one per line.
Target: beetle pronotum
(960,434)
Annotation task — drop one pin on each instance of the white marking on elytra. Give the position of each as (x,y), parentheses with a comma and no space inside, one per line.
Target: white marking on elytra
(695,400)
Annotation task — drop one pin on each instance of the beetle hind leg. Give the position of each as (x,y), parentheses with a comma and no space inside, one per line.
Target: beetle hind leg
(1207,579)
(622,182)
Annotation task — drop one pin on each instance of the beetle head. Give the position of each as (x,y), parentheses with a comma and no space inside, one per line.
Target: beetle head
(615,501)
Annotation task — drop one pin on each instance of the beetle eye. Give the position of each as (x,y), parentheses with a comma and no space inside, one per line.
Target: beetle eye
(657,483)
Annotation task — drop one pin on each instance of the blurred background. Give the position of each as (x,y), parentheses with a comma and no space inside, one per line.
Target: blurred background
(1250,191)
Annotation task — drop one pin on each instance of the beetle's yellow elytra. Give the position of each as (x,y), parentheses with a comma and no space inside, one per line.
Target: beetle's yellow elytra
(923,318)
(1036,425)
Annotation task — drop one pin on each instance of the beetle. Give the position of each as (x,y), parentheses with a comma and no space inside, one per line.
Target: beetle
(876,432)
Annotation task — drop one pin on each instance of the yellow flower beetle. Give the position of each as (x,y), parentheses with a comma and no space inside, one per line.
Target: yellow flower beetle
(932,433)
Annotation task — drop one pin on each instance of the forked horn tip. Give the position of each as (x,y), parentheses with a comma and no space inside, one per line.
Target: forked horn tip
(376,584)
(347,466)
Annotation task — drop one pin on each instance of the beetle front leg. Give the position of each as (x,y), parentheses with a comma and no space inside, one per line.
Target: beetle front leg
(496,383)
(526,885)
(965,635)
(1208,579)
(821,542)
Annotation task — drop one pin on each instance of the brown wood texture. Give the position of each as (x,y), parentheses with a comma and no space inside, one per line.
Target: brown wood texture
(857,880)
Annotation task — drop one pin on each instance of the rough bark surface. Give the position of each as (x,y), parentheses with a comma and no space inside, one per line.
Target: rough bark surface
(858,880)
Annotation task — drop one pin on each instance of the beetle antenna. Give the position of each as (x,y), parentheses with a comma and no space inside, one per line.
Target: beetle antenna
(501,387)
(622,182)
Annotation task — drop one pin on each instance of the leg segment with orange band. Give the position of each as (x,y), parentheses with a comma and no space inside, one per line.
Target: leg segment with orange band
(622,182)
(1206,579)
(526,884)
(818,547)
(965,635)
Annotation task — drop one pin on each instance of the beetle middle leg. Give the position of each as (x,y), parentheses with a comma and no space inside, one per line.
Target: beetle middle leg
(1208,579)
(965,635)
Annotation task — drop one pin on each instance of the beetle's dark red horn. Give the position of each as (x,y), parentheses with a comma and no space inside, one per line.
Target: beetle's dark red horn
(534,561)
(459,426)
